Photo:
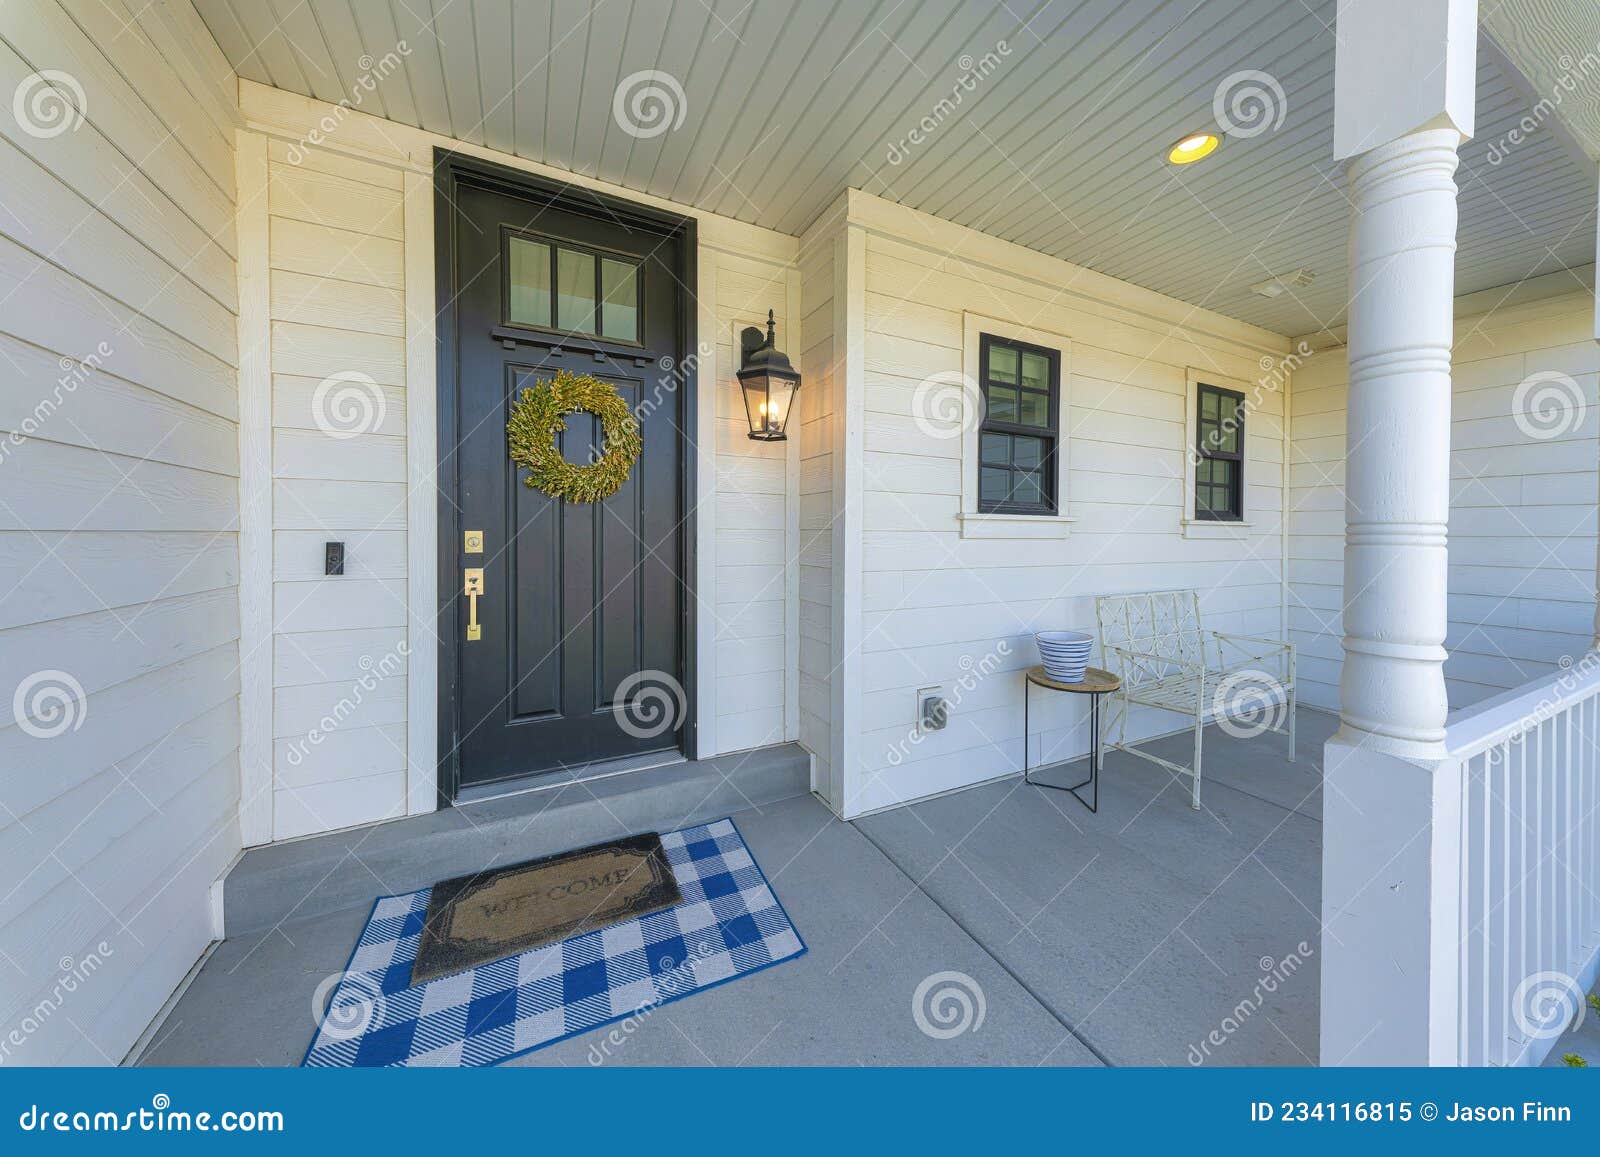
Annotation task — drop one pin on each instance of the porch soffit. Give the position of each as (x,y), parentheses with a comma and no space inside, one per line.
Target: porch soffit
(1047,128)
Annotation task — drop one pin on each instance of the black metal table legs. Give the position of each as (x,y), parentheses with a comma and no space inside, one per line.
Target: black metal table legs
(1093,803)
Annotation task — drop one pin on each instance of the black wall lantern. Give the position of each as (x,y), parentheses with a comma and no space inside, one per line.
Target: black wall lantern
(769,383)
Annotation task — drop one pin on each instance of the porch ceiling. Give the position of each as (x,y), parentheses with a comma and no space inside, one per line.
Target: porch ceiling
(1059,144)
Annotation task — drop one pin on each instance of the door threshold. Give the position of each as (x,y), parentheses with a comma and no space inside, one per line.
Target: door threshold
(567,776)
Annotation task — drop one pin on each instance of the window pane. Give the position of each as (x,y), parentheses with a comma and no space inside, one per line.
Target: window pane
(1028,452)
(1204,500)
(1035,409)
(574,291)
(1028,488)
(1002,405)
(1036,371)
(1228,439)
(530,282)
(619,290)
(1002,363)
(1208,404)
(993,484)
(996,449)
(1222,472)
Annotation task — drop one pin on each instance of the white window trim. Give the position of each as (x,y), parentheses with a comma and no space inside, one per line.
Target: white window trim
(1202,527)
(974,524)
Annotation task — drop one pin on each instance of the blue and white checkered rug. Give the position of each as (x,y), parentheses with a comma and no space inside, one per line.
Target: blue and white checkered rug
(729,925)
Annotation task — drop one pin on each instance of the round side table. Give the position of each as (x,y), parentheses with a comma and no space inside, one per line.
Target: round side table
(1094,684)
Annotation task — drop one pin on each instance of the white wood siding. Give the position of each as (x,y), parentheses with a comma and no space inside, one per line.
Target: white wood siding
(814,426)
(751,598)
(118,519)
(339,650)
(1522,508)
(937,608)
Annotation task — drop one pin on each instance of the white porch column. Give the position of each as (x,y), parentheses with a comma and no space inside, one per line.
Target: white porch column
(1404,77)
(1397,457)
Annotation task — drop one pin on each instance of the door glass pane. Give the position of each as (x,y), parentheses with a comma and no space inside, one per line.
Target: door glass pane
(574,291)
(1002,405)
(1036,371)
(1035,408)
(1027,451)
(1002,363)
(993,484)
(619,289)
(996,449)
(530,282)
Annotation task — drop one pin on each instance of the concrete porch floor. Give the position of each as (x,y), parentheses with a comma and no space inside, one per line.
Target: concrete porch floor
(1146,934)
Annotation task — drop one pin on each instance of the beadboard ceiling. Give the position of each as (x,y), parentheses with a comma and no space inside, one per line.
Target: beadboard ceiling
(1059,144)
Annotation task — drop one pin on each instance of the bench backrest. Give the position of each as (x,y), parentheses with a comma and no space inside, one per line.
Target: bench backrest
(1156,623)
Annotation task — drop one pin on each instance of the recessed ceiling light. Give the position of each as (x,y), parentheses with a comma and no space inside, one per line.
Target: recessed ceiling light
(1193,147)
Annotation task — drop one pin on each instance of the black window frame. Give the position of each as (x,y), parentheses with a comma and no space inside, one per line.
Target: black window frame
(1051,434)
(1235,510)
(556,243)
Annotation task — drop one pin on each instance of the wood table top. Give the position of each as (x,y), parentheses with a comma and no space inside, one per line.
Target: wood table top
(1094,682)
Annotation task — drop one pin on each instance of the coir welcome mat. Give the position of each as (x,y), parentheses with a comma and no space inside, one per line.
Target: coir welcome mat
(728,924)
(483,917)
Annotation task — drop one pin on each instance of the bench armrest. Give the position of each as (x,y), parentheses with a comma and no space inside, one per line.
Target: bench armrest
(1150,662)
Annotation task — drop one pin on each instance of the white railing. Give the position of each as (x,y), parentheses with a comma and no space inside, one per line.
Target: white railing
(1529,883)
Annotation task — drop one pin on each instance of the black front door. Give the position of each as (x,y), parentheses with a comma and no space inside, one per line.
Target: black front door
(581,611)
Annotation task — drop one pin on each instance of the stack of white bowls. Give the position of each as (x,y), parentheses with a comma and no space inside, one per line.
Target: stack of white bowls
(1065,654)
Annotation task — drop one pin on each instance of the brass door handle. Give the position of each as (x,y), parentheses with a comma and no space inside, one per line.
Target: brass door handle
(472,587)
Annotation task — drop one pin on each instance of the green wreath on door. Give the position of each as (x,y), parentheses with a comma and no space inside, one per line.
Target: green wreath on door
(537,421)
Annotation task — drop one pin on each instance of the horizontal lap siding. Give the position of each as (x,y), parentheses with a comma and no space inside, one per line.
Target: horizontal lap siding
(338,658)
(937,608)
(118,517)
(751,505)
(815,563)
(1522,508)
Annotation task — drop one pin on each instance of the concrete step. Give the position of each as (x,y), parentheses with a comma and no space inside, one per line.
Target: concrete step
(322,874)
